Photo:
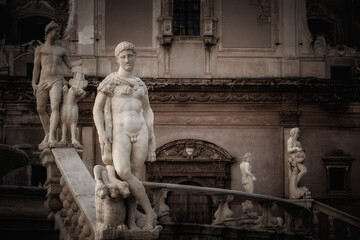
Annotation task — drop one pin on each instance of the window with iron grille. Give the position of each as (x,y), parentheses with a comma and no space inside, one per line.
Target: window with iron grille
(186,17)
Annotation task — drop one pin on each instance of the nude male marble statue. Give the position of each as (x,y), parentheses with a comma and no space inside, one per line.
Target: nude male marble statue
(124,122)
(48,80)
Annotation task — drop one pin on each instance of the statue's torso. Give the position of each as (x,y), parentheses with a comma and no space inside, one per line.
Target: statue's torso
(126,108)
(51,61)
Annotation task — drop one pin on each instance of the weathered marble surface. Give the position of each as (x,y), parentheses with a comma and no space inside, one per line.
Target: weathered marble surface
(70,109)
(297,168)
(124,122)
(247,179)
(48,81)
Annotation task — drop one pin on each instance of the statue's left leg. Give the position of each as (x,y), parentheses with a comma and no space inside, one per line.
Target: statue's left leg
(138,156)
(55,98)
(302,172)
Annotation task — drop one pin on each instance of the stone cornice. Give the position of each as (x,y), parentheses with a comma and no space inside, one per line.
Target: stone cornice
(272,90)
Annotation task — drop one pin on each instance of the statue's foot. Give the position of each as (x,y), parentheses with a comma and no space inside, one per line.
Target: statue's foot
(76,144)
(53,143)
(62,143)
(107,227)
(133,226)
(43,145)
(150,221)
(122,227)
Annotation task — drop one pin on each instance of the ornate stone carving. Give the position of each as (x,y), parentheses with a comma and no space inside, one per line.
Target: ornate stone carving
(289,117)
(267,219)
(165,20)
(297,168)
(223,214)
(191,148)
(265,16)
(320,46)
(69,108)
(200,161)
(160,207)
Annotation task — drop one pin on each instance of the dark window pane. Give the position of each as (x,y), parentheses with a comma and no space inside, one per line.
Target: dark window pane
(185,12)
(341,73)
(337,178)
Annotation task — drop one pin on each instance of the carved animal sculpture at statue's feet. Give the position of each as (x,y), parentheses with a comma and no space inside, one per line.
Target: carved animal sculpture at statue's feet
(70,110)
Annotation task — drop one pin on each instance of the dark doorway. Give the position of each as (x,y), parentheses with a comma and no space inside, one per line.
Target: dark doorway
(190,207)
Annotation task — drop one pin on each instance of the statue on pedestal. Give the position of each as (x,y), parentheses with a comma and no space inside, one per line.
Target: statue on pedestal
(247,179)
(124,122)
(48,81)
(297,168)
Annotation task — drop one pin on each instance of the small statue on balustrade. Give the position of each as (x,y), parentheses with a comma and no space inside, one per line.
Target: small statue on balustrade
(247,179)
(48,81)
(297,168)
(124,122)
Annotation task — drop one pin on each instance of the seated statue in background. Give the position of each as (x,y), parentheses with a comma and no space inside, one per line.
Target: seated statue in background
(124,122)
(297,168)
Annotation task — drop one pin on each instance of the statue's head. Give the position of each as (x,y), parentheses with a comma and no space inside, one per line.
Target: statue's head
(125,54)
(50,27)
(247,157)
(294,132)
(123,46)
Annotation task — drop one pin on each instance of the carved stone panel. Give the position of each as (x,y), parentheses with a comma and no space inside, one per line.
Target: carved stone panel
(191,160)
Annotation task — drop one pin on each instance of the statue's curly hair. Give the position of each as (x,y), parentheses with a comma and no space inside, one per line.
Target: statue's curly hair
(124,46)
(51,26)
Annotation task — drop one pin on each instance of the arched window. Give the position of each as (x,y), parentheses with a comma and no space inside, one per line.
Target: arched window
(186,17)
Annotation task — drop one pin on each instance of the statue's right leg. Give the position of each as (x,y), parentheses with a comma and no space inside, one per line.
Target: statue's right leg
(55,98)
(42,97)
(121,150)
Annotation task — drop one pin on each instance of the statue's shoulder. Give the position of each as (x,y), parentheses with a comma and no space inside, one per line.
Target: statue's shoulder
(140,82)
(39,48)
(108,85)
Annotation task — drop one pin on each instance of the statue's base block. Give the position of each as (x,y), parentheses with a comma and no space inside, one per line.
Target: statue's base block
(132,234)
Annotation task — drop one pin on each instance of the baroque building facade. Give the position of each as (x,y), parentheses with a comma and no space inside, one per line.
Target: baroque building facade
(225,77)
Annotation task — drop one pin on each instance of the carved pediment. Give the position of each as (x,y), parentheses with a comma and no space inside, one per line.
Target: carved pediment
(191,149)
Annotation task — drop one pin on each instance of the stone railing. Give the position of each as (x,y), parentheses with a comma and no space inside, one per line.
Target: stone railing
(70,193)
(348,225)
(224,215)
(71,202)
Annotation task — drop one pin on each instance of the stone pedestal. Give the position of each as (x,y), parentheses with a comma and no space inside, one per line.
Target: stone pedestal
(52,203)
